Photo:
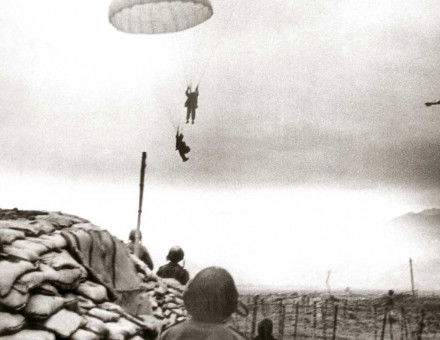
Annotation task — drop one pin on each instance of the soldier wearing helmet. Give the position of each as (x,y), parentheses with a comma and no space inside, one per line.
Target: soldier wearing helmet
(210,299)
(143,252)
(173,270)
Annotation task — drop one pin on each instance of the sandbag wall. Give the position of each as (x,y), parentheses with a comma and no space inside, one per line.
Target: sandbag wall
(48,291)
(163,295)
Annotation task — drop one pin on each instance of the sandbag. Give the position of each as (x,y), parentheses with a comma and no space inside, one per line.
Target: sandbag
(42,306)
(60,220)
(112,307)
(93,291)
(104,315)
(66,279)
(33,279)
(130,327)
(83,302)
(95,325)
(116,331)
(42,227)
(86,226)
(38,248)
(29,334)
(60,260)
(10,323)
(82,334)
(20,253)
(21,225)
(10,235)
(46,289)
(15,300)
(149,286)
(51,241)
(10,271)
(64,323)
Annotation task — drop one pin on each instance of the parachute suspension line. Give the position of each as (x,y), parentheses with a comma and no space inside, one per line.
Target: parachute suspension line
(194,48)
(219,41)
(197,63)
(184,73)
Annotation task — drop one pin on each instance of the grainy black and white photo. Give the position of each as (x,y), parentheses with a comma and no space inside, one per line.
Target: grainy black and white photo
(219,169)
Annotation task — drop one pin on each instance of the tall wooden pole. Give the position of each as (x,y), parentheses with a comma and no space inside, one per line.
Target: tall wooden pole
(412,277)
(141,197)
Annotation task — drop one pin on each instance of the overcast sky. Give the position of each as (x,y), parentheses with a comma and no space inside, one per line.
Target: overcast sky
(317,104)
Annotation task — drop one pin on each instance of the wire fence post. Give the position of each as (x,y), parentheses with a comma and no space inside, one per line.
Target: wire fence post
(335,322)
(323,315)
(314,319)
(254,316)
(375,322)
(421,325)
(384,324)
(281,315)
(405,325)
(390,322)
(295,325)
(305,312)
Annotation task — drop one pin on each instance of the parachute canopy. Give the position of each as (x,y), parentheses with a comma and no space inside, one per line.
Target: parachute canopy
(158,16)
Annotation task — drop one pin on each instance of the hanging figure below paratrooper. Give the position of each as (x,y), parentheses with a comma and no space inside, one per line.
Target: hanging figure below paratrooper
(191,103)
(181,145)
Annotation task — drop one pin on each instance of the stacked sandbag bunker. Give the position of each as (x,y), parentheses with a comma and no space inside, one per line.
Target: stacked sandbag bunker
(62,277)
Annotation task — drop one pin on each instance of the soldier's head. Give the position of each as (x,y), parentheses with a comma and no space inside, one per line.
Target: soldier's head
(132,236)
(175,254)
(211,296)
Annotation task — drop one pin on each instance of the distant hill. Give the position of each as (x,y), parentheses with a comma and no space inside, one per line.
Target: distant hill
(423,228)
(424,225)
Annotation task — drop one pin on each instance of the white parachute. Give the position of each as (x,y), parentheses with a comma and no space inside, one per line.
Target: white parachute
(158,16)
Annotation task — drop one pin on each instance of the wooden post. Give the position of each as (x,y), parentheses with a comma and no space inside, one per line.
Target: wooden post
(402,327)
(323,314)
(390,321)
(335,322)
(421,325)
(384,324)
(405,325)
(412,277)
(375,322)
(305,311)
(295,326)
(281,320)
(254,316)
(141,198)
(314,319)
